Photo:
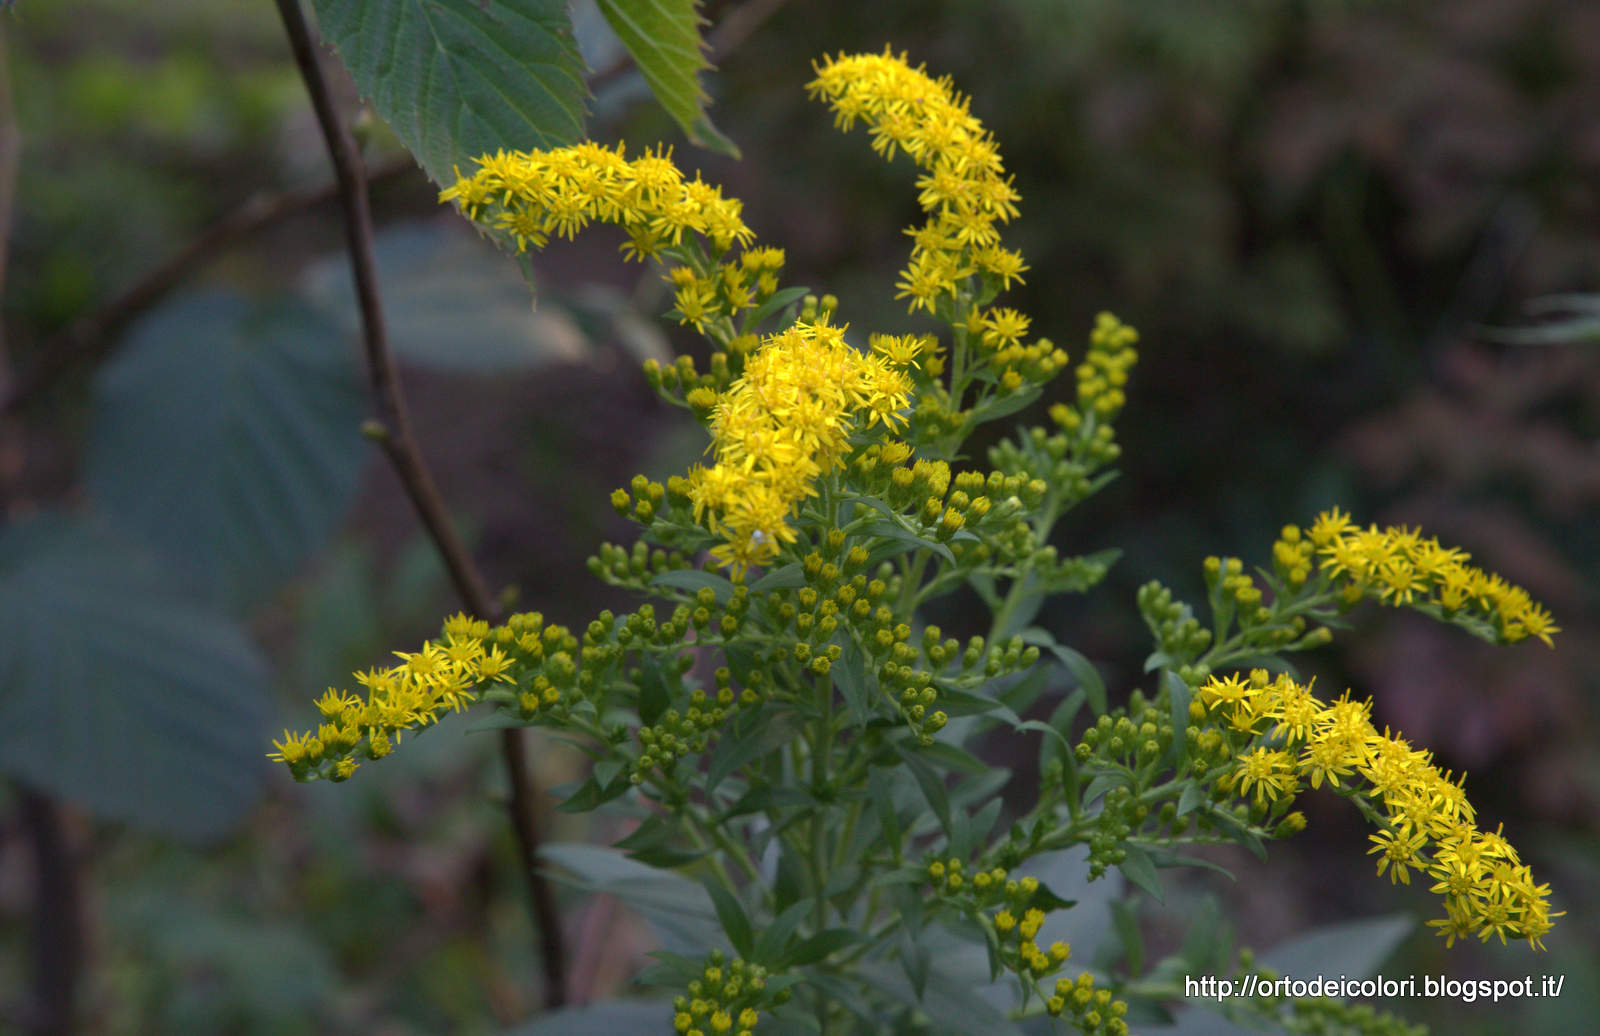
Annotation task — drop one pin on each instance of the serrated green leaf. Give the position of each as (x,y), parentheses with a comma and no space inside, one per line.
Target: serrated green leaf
(227,435)
(117,691)
(457,79)
(664,38)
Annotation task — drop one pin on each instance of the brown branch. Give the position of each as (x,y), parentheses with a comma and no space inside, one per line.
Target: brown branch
(91,335)
(392,430)
(57,917)
(56,944)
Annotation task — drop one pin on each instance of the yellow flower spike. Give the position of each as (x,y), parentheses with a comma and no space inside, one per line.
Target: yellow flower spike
(1406,569)
(532,195)
(1426,818)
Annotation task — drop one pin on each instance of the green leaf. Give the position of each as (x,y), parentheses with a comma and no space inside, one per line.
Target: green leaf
(1354,948)
(784,577)
(591,795)
(1139,868)
(850,676)
(227,435)
(818,946)
(775,936)
(451,302)
(1000,407)
(735,922)
(117,691)
(1082,670)
(956,702)
(678,909)
(262,968)
(692,580)
(1125,917)
(1179,695)
(881,791)
(755,734)
(931,783)
(456,79)
(616,1019)
(953,1005)
(664,38)
(891,531)
(778,300)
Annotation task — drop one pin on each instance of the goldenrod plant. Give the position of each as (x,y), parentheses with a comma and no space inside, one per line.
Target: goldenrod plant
(786,727)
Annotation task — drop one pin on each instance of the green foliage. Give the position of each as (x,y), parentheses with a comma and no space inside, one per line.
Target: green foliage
(116,689)
(456,79)
(258,462)
(451,303)
(664,38)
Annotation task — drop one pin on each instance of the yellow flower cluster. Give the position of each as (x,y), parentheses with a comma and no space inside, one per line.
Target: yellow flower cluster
(1029,957)
(998,332)
(1401,567)
(530,195)
(442,677)
(413,694)
(1427,822)
(964,189)
(786,421)
(730,289)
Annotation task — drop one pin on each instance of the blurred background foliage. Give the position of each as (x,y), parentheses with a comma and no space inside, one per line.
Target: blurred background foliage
(1312,210)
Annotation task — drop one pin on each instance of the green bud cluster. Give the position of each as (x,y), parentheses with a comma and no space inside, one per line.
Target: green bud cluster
(727,998)
(1093,1012)
(1314,1016)
(1178,634)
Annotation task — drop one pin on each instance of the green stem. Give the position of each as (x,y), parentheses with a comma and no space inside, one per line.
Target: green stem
(821,739)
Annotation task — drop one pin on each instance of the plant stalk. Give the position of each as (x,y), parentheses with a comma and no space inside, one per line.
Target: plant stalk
(393,432)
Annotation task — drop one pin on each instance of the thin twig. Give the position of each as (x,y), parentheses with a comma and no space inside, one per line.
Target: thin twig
(92,334)
(392,430)
(57,940)
(57,917)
